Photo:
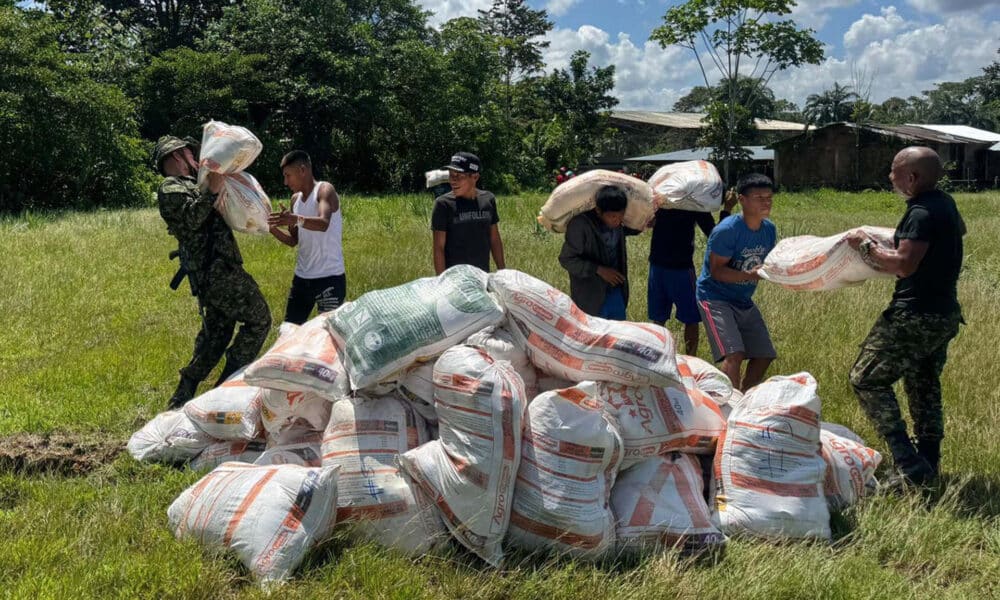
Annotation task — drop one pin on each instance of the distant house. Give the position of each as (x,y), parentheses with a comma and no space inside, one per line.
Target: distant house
(640,132)
(852,156)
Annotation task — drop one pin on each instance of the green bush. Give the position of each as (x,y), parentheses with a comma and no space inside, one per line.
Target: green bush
(66,140)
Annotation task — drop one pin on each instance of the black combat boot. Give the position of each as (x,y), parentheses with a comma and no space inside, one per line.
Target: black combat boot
(227,372)
(184,392)
(912,468)
(930,450)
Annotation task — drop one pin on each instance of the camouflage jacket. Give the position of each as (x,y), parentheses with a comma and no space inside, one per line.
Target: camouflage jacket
(198,227)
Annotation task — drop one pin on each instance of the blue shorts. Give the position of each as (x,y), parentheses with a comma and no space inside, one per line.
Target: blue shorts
(668,288)
(614,305)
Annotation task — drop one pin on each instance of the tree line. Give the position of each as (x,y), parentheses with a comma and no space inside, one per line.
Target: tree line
(377,96)
(367,87)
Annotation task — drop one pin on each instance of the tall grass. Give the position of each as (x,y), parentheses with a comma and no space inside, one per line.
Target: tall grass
(93,338)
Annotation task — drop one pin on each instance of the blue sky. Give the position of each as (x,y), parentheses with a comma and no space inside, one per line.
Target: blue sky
(902,47)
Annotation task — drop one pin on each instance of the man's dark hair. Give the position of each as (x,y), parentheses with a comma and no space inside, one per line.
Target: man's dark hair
(611,198)
(296,157)
(754,180)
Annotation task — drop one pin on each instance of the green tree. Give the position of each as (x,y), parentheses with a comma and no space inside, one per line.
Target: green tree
(988,87)
(958,103)
(159,24)
(830,106)
(517,29)
(759,99)
(733,34)
(67,141)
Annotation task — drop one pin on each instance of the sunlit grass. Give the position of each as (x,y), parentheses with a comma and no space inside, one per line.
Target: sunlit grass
(93,338)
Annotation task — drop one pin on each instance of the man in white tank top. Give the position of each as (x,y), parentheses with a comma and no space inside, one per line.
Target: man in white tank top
(314,225)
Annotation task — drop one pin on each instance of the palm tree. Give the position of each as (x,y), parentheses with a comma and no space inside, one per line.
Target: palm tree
(831,106)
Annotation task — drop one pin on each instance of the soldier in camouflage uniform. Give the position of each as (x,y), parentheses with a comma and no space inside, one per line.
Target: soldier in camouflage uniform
(909,341)
(226,293)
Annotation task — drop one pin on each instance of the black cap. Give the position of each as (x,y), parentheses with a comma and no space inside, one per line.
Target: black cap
(464,162)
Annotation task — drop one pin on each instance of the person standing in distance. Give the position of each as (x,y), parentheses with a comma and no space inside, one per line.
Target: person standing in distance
(464,220)
(314,225)
(909,341)
(735,252)
(211,261)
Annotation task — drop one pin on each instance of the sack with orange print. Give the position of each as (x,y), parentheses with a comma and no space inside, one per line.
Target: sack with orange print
(304,360)
(364,437)
(769,471)
(468,473)
(228,150)
(692,185)
(660,504)
(570,456)
(270,516)
(563,341)
(659,419)
(850,466)
(810,263)
(228,412)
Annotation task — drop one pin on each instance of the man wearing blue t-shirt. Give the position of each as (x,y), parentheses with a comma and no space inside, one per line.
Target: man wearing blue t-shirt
(736,249)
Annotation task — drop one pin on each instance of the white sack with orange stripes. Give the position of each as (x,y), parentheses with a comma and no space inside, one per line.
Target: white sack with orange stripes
(281,410)
(364,438)
(700,374)
(578,195)
(304,359)
(270,516)
(850,466)
(469,472)
(501,344)
(228,150)
(231,411)
(570,455)
(769,470)
(385,331)
(563,341)
(303,454)
(811,263)
(660,504)
(659,419)
(691,185)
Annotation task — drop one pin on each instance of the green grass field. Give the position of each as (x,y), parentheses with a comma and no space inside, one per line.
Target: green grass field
(93,337)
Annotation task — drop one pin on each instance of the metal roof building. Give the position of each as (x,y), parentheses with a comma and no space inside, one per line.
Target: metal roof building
(757,154)
(853,156)
(680,120)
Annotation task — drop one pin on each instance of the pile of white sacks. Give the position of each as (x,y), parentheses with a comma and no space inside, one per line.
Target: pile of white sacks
(489,410)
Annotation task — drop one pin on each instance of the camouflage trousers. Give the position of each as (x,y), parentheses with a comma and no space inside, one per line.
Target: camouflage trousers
(228,295)
(912,347)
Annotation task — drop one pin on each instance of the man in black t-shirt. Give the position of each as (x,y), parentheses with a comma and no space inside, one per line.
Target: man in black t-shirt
(909,341)
(465,220)
(671,281)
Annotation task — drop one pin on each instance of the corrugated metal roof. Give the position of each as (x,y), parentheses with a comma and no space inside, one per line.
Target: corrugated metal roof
(756,153)
(919,133)
(963,131)
(680,120)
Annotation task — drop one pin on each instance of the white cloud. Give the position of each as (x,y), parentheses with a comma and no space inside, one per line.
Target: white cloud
(445,10)
(951,6)
(870,28)
(912,61)
(815,13)
(558,8)
(646,77)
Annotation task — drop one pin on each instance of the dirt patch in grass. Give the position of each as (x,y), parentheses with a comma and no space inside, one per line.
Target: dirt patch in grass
(58,452)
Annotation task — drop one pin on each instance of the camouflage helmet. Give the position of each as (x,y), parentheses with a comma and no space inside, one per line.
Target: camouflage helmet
(166,145)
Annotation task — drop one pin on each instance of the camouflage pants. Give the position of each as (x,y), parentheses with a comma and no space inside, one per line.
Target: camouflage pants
(228,295)
(911,346)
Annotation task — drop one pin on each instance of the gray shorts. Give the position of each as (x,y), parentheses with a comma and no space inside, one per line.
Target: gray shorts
(732,329)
